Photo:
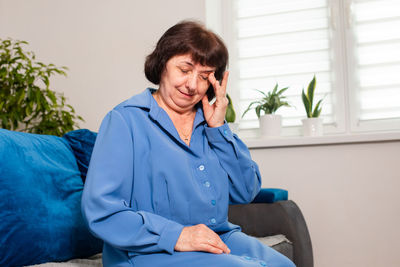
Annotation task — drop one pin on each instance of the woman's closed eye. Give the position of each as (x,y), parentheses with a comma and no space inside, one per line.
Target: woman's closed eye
(204,77)
(184,71)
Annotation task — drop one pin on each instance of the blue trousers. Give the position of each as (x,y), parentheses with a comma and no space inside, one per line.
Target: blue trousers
(245,251)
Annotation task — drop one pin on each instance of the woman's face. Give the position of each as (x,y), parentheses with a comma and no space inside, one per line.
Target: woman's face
(184,83)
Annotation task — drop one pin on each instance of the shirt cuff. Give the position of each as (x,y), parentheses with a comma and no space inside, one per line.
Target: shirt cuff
(219,134)
(169,236)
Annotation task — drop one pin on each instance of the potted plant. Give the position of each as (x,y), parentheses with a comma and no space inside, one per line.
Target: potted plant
(312,126)
(230,115)
(26,101)
(270,123)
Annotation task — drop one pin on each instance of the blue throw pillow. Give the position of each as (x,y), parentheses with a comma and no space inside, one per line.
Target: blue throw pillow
(271,195)
(40,196)
(82,143)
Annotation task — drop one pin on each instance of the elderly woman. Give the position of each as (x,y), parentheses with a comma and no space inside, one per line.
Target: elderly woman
(166,166)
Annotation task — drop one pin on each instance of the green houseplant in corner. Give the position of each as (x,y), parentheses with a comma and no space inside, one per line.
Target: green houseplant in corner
(26,101)
(270,123)
(312,126)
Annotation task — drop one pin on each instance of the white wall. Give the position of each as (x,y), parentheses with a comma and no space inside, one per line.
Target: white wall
(348,193)
(103,43)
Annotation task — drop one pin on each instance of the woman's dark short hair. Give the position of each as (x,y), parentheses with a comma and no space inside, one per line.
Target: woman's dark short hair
(187,37)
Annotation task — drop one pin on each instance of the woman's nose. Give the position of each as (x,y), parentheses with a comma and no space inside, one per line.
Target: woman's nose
(191,82)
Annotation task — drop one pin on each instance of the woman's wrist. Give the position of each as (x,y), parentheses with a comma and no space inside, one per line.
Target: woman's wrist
(215,125)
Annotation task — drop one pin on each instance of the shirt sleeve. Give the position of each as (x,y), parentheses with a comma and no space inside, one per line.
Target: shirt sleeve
(234,156)
(107,194)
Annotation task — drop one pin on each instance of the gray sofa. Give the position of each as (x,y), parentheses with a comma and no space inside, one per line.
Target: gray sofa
(279,218)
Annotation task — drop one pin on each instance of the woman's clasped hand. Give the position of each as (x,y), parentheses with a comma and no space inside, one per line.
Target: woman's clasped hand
(200,238)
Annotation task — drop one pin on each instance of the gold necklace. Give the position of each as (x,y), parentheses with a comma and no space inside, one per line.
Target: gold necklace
(186,137)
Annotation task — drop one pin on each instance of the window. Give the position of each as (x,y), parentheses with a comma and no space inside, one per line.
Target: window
(374,56)
(352,47)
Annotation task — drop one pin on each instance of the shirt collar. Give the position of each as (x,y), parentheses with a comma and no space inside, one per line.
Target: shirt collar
(146,100)
(142,100)
(199,116)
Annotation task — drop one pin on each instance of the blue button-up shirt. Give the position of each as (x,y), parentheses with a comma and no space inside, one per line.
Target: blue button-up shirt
(144,184)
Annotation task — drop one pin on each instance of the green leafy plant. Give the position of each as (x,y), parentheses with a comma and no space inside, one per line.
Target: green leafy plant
(26,101)
(230,115)
(308,100)
(270,102)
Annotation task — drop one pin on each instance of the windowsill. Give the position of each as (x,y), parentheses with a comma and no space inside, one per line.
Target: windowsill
(293,141)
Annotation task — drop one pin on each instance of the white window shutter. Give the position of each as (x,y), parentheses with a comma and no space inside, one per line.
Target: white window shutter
(376,71)
(284,42)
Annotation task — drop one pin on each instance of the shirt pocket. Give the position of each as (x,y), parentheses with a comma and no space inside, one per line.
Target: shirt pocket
(162,202)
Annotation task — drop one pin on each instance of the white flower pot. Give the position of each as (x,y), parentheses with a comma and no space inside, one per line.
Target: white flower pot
(270,125)
(312,127)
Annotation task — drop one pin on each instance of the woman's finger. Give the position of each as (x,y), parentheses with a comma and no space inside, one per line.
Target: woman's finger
(224,82)
(220,89)
(212,242)
(224,247)
(214,82)
(211,249)
(218,243)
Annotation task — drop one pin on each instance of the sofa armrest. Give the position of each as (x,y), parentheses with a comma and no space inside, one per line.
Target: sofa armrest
(282,217)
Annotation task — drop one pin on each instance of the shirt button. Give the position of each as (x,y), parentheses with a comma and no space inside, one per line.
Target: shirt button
(201,167)
(207,184)
(225,132)
(262,263)
(213,202)
(213,220)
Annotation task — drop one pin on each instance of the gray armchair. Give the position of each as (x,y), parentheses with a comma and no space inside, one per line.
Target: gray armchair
(281,217)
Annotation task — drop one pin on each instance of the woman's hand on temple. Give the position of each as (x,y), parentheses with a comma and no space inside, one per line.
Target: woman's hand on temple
(215,113)
(200,238)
